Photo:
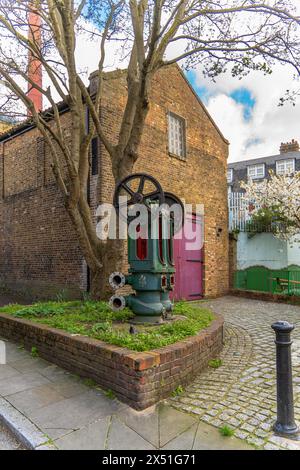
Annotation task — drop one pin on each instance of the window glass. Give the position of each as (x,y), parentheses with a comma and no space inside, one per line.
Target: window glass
(229,175)
(285,167)
(256,171)
(177,145)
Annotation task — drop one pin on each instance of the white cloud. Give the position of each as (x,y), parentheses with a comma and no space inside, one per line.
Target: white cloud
(88,53)
(269,124)
(229,117)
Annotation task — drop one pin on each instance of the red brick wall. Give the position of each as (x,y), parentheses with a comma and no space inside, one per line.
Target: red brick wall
(39,253)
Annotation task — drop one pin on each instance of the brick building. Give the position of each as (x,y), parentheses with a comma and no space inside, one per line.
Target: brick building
(38,247)
(286,162)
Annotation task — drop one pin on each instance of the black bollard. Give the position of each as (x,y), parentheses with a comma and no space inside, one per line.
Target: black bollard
(285,424)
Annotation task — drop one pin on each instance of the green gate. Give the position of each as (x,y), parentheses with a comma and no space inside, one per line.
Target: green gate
(259,278)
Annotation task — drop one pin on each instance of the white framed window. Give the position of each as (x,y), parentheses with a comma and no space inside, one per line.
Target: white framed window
(176,133)
(285,167)
(256,171)
(229,175)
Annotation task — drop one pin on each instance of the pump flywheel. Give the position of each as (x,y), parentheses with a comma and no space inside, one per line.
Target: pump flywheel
(138,188)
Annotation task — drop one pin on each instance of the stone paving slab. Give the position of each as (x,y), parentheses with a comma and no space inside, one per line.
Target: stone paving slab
(53,409)
(242,392)
(91,437)
(22,428)
(19,383)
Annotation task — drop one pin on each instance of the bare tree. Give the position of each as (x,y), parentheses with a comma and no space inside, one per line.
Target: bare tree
(236,35)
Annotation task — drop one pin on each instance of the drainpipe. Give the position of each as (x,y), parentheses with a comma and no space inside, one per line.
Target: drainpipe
(88,196)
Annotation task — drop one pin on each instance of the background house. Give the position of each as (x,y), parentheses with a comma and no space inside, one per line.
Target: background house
(39,253)
(286,162)
(260,261)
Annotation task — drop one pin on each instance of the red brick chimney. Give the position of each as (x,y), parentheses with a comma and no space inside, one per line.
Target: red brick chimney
(35,72)
(292,146)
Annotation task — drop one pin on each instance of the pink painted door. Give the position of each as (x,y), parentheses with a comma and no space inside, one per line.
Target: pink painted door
(188,257)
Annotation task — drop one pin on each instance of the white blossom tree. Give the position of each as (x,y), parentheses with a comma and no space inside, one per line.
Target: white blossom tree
(277,200)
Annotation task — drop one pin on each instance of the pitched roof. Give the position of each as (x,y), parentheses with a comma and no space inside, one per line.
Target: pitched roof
(269,160)
(28,124)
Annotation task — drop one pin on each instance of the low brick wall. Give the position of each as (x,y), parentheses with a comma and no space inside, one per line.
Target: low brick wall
(266,296)
(139,379)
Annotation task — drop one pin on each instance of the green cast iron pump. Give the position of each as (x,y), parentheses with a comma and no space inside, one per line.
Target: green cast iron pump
(151,271)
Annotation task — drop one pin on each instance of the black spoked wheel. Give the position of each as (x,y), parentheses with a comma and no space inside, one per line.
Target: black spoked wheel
(138,188)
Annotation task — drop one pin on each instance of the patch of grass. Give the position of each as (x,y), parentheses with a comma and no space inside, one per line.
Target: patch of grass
(178,391)
(89,382)
(110,394)
(226,431)
(99,327)
(215,363)
(39,311)
(97,320)
(34,351)
(11,308)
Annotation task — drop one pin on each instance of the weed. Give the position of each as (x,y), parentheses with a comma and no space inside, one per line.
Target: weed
(61,296)
(98,327)
(39,310)
(110,394)
(86,296)
(226,431)
(34,351)
(215,363)
(89,382)
(178,391)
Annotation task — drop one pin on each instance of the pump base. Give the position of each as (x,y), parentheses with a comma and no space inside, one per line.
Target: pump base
(153,319)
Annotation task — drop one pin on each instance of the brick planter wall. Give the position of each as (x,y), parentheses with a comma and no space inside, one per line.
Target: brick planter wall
(139,379)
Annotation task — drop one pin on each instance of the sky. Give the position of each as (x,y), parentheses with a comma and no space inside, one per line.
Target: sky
(247,111)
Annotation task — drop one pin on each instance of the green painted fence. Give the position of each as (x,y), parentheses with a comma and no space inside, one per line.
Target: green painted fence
(259,278)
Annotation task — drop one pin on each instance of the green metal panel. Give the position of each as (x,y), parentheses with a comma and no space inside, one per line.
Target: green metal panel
(259,278)
(240,278)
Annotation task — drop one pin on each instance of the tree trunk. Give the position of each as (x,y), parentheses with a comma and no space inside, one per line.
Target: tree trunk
(112,259)
(113,252)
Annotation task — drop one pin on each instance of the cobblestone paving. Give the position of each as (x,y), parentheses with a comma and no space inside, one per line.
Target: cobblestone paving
(242,392)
